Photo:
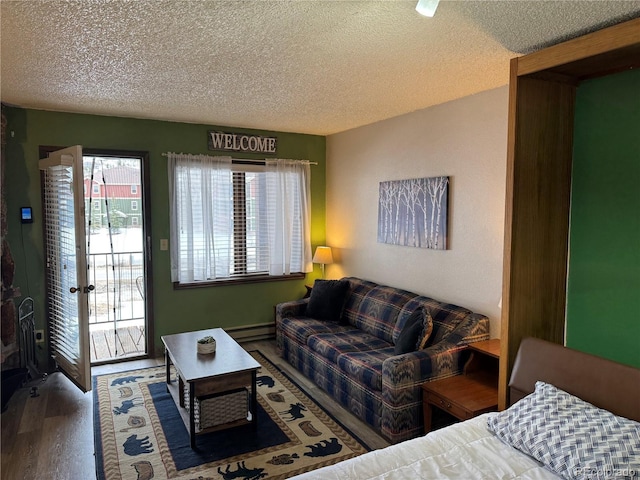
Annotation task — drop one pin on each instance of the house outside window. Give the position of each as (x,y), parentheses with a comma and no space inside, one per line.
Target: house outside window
(96,189)
(134,189)
(96,206)
(134,205)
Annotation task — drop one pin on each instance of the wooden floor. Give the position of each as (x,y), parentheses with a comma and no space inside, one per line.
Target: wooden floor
(114,345)
(51,436)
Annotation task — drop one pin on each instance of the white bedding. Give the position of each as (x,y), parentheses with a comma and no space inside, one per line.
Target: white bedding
(464,451)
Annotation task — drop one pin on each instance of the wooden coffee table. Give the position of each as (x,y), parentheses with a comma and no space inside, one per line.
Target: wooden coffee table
(228,369)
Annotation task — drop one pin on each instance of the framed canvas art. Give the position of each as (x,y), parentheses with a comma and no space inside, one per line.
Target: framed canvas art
(414,212)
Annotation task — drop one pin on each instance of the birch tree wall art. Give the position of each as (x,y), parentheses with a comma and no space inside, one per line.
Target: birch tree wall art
(414,212)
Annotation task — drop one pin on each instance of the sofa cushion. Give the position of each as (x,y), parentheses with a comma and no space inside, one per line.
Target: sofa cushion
(445,320)
(379,311)
(327,299)
(362,401)
(358,290)
(332,345)
(365,367)
(446,317)
(301,328)
(412,333)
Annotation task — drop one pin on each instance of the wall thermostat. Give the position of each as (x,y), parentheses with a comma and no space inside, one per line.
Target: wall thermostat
(26,215)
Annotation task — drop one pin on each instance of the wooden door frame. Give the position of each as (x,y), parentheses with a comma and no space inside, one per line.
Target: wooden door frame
(44,150)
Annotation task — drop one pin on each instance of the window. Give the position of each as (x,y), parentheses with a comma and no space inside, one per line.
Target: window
(134,221)
(96,205)
(96,189)
(234,221)
(134,205)
(134,189)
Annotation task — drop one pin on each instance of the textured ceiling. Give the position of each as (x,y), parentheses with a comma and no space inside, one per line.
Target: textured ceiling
(301,66)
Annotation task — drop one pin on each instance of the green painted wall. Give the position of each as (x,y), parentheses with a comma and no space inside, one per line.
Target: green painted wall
(603,305)
(174,310)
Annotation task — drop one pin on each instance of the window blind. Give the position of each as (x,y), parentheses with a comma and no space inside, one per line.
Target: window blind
(60,245)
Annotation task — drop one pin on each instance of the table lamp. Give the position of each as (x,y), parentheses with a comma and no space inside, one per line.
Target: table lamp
(323,256)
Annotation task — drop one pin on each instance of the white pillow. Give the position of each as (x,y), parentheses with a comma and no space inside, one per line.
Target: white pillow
(570,436)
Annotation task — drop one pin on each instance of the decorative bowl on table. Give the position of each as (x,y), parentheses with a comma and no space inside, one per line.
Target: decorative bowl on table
(206,345)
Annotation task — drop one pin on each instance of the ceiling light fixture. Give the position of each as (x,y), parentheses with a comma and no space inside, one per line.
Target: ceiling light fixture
(427,7)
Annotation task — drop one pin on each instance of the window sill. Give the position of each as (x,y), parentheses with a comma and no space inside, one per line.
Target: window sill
(239,281)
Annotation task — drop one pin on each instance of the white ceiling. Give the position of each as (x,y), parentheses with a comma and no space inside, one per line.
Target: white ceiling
(316,67)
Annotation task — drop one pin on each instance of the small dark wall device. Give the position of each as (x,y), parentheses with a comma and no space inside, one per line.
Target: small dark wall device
(26,215)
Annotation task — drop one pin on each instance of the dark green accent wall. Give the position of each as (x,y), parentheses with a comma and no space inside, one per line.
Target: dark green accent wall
(603,304)
(174,310)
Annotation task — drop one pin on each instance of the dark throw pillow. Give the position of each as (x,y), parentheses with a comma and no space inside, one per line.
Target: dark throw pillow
(411,333)
(327,299)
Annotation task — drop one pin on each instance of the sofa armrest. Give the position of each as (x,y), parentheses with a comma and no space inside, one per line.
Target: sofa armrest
(295,308)
(402,375)
(410,370)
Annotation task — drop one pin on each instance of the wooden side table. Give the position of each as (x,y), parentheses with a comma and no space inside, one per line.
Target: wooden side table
(470,394)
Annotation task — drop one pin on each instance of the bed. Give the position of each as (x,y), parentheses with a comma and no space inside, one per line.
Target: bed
(572,415)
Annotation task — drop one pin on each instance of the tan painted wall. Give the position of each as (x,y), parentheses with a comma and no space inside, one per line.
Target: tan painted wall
(465,139)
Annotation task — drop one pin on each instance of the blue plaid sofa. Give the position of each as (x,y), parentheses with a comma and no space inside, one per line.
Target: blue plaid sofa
(354,360)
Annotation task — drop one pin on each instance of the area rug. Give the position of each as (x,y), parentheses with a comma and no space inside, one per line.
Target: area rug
(140,435)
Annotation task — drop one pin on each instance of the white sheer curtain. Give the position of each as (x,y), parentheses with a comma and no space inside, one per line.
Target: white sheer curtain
(201,217)
(289,216)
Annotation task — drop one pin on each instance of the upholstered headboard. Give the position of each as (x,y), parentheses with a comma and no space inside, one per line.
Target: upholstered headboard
(603,383)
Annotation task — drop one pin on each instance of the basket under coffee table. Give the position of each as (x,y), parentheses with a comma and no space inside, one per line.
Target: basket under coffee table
(226,371)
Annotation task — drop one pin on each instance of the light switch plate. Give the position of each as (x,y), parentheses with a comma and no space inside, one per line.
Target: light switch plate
(164,244)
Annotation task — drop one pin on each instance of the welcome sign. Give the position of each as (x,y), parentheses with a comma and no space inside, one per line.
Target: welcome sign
(235,142)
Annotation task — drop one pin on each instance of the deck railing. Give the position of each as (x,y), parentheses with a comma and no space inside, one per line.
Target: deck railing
(119,290)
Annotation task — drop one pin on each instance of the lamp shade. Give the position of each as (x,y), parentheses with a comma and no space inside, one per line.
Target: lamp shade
(323,255)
